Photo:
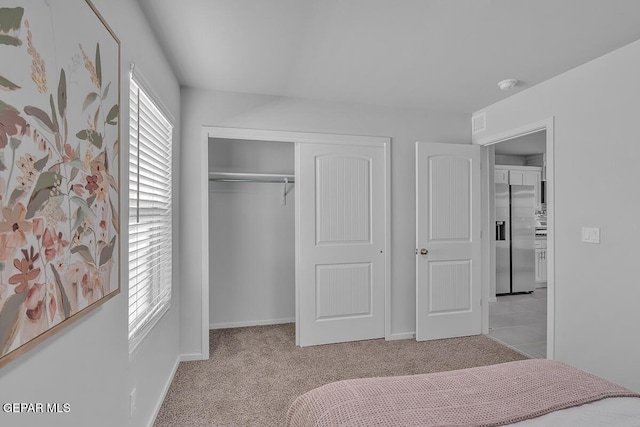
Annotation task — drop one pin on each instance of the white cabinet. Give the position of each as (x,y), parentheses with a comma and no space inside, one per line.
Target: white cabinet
(541,262)
(520,175)
(516,177)
(533,177)
(501,176)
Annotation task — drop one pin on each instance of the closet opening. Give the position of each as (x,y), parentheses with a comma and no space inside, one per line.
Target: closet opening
(251,232)
(314,252)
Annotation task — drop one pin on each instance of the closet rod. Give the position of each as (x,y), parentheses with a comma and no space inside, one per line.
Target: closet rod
(255,177)
(251,177)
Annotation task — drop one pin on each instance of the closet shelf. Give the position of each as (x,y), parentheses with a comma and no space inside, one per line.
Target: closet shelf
(277,178)
(251,177)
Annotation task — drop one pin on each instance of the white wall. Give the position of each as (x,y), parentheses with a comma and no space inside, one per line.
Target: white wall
(405,127)
(87,364)
(510,160)
(596,109)
(251,236)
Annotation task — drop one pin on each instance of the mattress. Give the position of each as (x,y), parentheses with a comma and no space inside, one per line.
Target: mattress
(521,393)
(613,411)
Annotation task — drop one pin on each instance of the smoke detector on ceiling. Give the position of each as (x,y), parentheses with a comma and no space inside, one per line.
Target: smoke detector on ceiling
(507,84)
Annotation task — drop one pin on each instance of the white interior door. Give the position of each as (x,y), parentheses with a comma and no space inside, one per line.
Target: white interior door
(448,275)
(341,215)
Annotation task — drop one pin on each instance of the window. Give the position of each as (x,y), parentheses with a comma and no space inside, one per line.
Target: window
(150,244)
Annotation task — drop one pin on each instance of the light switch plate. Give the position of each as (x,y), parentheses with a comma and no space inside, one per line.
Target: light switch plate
(591,234)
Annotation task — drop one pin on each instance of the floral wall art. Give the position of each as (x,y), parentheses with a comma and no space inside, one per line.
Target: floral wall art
(59,162)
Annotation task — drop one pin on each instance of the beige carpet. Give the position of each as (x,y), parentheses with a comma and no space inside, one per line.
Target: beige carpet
(254,374)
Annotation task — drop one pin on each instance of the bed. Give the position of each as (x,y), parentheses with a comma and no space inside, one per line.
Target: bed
(526,393)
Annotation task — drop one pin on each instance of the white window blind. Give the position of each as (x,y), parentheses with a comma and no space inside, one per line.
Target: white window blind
(150,134)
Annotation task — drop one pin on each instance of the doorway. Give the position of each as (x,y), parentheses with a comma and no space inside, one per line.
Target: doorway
(518,312)
(344,159)
(251,233)
(523,321)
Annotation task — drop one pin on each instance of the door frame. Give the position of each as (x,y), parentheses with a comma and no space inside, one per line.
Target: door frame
(295,137)
(489,261)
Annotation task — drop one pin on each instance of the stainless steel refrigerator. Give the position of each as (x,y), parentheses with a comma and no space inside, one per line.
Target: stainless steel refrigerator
(515,238)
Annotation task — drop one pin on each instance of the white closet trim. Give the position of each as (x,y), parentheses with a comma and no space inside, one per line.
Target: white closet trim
(285,136)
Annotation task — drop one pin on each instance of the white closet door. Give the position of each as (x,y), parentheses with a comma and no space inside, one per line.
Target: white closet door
(341,241)
(448,256)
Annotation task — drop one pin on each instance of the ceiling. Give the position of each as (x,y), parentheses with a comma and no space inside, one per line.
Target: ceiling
(532,143)
(446,55)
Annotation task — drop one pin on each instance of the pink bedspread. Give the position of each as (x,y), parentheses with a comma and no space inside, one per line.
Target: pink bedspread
(483,396)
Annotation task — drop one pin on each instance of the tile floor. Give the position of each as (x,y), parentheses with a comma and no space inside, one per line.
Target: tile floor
(520,322)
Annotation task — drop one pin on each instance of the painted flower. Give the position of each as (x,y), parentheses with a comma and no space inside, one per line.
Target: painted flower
(97,166)
(92,183)
(36,313)
(87,285)
(39,139)
(48,241)
(38,69)
(38,227)
(53,213)
(75,272)
(25,182)
(26,164)
(103,223)
(77,236)
(26,275)
(91,281)
(78,189)
(54,244)
(43,144)
(88,158)
(101,191)
(11,125)
(61,243)
(53,306)
(14,222)
(90,67)
(69,153)
(9,242)
(34,295)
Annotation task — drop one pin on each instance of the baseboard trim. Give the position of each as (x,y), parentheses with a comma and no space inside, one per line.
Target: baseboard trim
(250,323)
(181,358)
(165,390)
(403,336)
(191,357)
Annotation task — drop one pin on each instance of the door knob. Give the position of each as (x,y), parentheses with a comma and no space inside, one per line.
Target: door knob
(423,251)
